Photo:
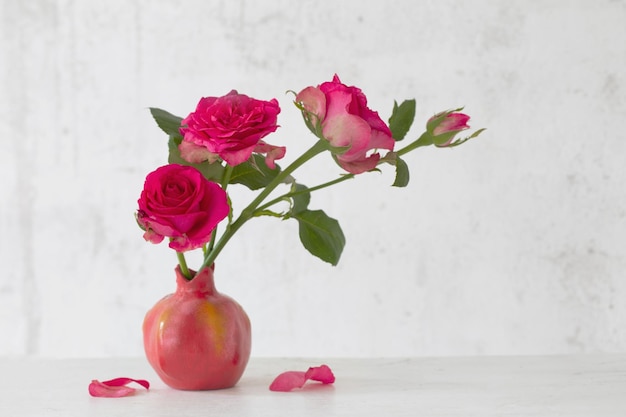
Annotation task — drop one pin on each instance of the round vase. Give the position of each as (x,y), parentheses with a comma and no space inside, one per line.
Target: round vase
(197,338)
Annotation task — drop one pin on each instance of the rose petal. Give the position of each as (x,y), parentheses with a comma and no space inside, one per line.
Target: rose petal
(359,165)
(347,130)
(290,380)
(314,101)
(196,154)
(320,373)
(271,152)
(115,388)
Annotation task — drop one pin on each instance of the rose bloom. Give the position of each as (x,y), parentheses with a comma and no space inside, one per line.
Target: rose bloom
(347,122)
(230,127)
(179,203)
(447,129)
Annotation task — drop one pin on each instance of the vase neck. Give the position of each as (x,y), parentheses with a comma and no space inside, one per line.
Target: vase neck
(201,283)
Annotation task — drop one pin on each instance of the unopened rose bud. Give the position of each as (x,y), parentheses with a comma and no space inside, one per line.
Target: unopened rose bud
(444,127)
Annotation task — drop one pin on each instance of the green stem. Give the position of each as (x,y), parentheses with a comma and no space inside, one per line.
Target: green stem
(183,265)
(308,190)
(247,213)
(424,140)
(228,172)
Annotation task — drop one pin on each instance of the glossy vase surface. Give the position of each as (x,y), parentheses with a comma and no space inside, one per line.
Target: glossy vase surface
(197,338)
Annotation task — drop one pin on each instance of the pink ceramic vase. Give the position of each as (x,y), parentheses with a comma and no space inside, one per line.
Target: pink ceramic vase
(197,338)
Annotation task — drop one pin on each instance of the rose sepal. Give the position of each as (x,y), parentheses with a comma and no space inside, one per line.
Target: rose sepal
(311,120)
(461,141)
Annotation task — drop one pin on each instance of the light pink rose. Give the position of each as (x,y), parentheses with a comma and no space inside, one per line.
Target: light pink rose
(347,122)
(445,131)
(179,203)
(229,127)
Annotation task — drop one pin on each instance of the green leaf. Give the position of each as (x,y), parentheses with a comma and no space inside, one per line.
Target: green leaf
(402,173)
(321,235)
(254,174)
(401,119)
(300,201)
(168,123)
(211,172)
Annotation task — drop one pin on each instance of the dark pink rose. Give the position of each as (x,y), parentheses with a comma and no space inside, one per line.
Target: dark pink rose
(446,129)
(347,122)
(179,203)
(229,127)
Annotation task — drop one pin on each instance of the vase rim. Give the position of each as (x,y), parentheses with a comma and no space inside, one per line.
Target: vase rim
(201,282)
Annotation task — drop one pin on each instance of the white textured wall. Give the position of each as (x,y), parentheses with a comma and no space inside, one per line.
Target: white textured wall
(512,244)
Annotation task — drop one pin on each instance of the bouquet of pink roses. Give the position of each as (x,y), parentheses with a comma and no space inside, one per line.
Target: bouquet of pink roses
(221,143)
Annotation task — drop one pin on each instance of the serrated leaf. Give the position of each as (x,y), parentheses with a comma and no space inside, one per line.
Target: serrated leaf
(402,173)
(168,123)
(255,174)
(211,172)
(321,235)
(401,118)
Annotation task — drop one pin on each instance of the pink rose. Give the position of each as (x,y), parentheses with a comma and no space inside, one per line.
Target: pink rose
(347,122)
(229,127)
(447,128)
(179,203)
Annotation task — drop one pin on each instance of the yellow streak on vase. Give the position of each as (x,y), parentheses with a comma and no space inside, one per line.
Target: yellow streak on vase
(210,316)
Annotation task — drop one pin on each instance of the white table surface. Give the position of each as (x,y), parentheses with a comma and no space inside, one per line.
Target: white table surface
(588,385)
